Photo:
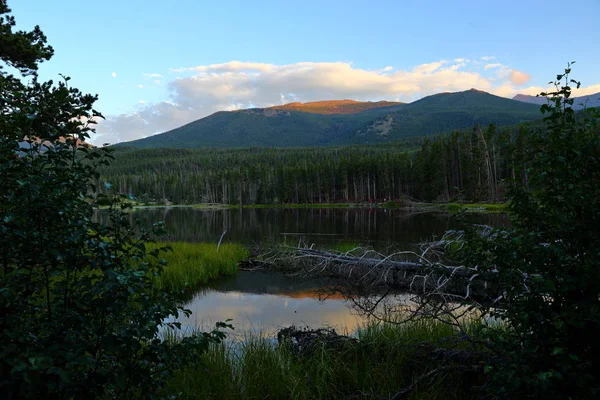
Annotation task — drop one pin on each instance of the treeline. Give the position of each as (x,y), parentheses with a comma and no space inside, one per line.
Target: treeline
(469,166)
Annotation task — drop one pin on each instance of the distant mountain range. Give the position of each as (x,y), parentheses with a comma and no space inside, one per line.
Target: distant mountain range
(341,122)
(580,103)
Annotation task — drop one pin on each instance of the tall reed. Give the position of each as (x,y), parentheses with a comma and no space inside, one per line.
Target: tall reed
(385,359)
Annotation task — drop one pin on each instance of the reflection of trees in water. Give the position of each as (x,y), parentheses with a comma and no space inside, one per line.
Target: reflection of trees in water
(319,226)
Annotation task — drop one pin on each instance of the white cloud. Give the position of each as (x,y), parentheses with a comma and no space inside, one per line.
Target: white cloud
(152,75)
(114,74)
(508,90)
(488,58)
(490,66)
(519,78)
(157,81)
(388,68)
(234,85)
(140,86)
(142,102)
(428,68)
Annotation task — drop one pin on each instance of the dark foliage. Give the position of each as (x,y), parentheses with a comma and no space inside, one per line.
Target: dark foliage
(548,262)
(79,315)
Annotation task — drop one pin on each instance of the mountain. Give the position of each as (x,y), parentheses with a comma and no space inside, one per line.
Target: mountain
(344,122)
(593,100)
(446,112)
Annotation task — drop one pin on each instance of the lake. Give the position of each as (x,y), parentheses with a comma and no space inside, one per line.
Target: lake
(376,227)
(260,302)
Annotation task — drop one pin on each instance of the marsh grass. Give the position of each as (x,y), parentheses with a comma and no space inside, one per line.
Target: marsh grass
(190,265)
(386,359)
(344,246)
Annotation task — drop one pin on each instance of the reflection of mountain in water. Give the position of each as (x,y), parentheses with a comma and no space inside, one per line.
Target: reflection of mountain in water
(262,303)
(375,227)
(276,283)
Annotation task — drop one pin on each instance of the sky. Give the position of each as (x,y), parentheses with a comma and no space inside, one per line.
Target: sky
(157,65)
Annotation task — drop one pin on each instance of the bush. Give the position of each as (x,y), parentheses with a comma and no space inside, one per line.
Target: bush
(548,262)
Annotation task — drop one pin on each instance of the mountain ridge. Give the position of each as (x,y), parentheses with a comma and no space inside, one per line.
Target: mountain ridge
(579,103)
(369,122)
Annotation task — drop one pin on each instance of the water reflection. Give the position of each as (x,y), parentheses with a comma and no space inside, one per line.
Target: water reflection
(377,227)
(262,303)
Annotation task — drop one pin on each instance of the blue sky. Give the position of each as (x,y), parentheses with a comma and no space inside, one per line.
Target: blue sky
(157,64)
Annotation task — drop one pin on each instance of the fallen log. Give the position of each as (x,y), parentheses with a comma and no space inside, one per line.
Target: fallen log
(387,262)
(368,269)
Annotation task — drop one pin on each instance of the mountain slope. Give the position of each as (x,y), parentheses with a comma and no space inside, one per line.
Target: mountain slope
(259,128)
(445,112)
(336,106)
(580,103)
(283,126)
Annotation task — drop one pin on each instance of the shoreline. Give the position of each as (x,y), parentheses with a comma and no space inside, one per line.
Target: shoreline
(419,206)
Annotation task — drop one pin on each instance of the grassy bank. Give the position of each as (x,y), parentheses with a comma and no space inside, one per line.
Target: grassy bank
(192,264)
(384,360)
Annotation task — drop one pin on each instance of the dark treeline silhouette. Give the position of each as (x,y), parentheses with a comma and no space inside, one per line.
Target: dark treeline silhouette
(465,166)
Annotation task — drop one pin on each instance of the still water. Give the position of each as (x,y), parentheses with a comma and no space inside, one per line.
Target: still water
(375,227)
(260,302)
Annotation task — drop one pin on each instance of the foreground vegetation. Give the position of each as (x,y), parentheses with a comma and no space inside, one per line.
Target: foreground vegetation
(385,359)
(190,265)
(80,315)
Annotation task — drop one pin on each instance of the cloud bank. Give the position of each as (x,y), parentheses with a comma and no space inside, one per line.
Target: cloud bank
(202,90)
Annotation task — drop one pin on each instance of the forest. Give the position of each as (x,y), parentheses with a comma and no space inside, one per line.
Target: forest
(460,166)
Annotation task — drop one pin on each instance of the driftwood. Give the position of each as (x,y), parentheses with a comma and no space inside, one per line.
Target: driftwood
(305,341)
(423,272)
(385,263)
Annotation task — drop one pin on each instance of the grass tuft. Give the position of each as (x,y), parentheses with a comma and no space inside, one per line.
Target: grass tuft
(190,265)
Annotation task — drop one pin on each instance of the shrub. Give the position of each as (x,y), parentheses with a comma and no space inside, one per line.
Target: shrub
(79,314)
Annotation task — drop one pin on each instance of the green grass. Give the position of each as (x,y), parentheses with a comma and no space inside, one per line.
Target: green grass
(386,359)
(192,264)
(344,247)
